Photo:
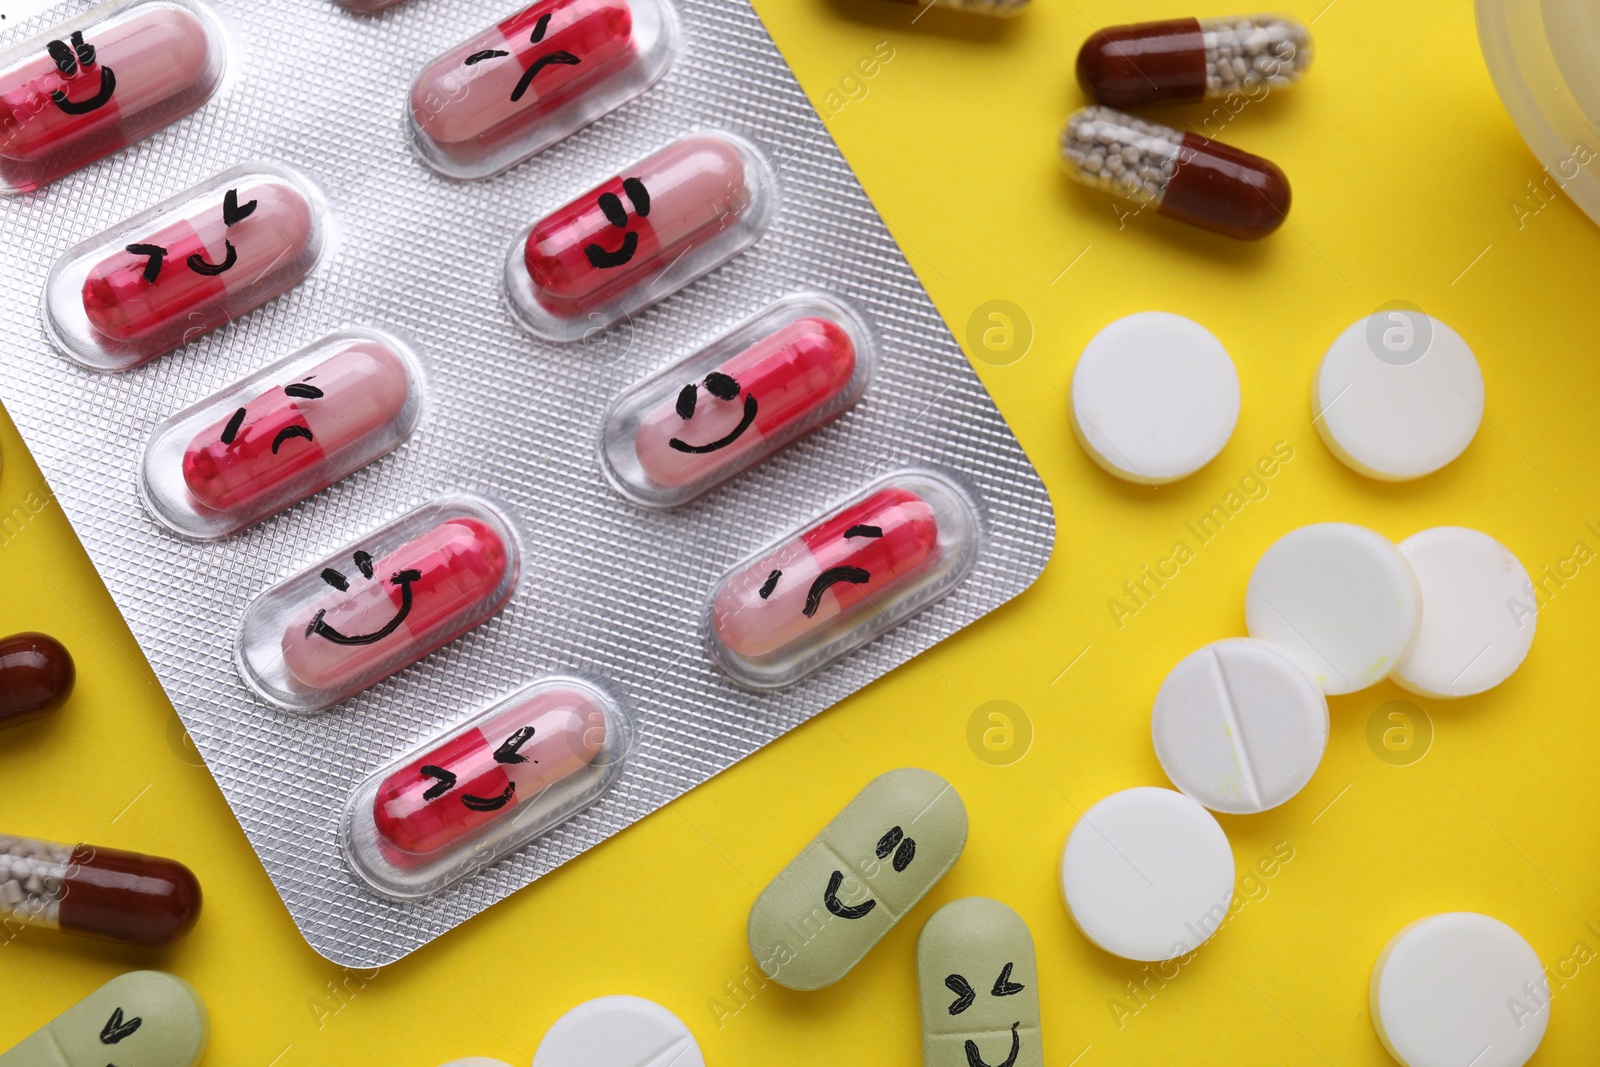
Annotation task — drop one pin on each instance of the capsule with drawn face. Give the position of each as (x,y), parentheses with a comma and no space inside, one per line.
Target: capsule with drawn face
(379,605)
(838,583)
(288,431)
(534,78)
(90,86)
(186,266)
(639,237)
(732,404)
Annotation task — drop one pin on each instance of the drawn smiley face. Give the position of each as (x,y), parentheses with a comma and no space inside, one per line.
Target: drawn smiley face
(894,843)
(723,387)
(76,64)
(966,995)
(401,580)
(445,780)
(232,213)
(829,578)
(558,58)
(611,206)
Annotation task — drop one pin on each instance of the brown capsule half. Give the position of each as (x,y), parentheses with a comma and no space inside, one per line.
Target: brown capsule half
(1228,191)
(1148,63)
(36,677)
(96,892)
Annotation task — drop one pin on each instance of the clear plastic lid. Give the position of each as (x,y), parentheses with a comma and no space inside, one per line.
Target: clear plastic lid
(826,588)
(639,237)
(468,797)
(527,82)
(378,604)
(289,430)
(727,407)
(98,82)
(184,267)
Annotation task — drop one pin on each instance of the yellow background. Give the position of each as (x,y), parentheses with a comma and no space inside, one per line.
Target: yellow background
(1405,171)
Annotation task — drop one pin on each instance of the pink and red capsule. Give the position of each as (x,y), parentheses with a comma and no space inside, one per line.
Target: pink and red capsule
(732,404)
(842,581)
(535,78)
(100,82)
(283,434)
(639,237)
(377,607)
(184,267)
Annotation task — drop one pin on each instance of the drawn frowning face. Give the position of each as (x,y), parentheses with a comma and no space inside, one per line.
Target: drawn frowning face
(556,58)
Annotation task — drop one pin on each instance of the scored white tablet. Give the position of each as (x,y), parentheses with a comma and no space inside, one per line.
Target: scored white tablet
(618,1032)
(1155,397)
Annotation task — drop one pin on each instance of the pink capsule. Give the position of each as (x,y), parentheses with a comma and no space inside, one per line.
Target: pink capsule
(753,397)
(249,243)
(252,455)
(482,774)
(625,232)
(835,569)
(474,101)
(385,614)
(87,89)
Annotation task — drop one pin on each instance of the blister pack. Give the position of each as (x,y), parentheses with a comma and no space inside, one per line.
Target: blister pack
(486,445)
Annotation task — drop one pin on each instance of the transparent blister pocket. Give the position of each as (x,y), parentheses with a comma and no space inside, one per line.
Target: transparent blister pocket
(184,267)
(378,604)
(484,788)
(843,579)
(98,82)
(640,237)
(535,78)
(288,431)
(727,407)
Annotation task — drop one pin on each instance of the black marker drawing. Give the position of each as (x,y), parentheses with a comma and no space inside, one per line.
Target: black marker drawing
(559,58)
(975,1060)
(116,1030)
(70,62)
(611,206)
(231,214)
(894,841)
(507,753)
(723,387)
(363,561)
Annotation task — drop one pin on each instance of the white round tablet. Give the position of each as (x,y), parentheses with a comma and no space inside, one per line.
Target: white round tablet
(1478,613)
(1340,598)
(1240,726)
(1459,988)
(618,1032)
(1147,874)
(1154,397)
(1398,395)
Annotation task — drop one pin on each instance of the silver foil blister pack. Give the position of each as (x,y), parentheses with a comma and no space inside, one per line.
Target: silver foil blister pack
(621,602)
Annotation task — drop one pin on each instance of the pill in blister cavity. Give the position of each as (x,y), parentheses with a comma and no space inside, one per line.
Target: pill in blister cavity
(1240,726)
(1180,175)
(979,987)
(97,892)
(640,237)
(1340,598)
(1478,614)
(99,82)
(860,876)
(1147,874)
(731,405)
(1193,59)
(184,267)
(289,430)
(485,787)
(524,84)
(842,580)
(379,604)
(36,677)
(618,1032)
(141,1019)
(1460,988)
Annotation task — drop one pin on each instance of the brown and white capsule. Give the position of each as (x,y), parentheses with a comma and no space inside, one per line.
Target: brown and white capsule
(1179,60)
(1181,175)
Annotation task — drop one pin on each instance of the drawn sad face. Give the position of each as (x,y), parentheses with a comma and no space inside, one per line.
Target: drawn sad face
(553,58)
(895,847)
(81,75)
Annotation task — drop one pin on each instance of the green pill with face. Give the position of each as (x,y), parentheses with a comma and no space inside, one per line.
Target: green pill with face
(979,987)
(867,868)
(142,1019)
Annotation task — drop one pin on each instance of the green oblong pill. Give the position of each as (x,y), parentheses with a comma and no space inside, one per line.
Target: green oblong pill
(979,985)
(142,1019)
(862,873)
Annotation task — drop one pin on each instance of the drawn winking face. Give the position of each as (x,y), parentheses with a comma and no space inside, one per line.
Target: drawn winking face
(507,754)
(965,998)
(893,843)
(232,213)
(75,63)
